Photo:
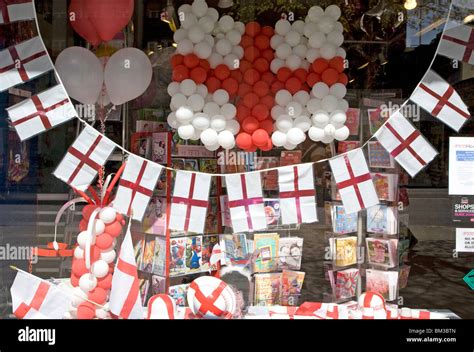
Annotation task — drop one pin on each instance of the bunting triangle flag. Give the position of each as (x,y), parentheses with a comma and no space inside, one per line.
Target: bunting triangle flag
(458,43)
(16,10)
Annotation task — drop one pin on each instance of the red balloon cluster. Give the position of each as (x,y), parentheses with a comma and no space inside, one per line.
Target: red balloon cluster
(256,89)
(292,81)
(104,241)
(327,71)
(189,66)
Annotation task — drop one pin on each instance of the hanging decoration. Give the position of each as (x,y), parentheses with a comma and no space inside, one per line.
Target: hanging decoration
(16,10)
(458,43)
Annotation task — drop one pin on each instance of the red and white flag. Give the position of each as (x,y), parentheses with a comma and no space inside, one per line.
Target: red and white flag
(22,62)
(84,159)
(439,98)
(297,194)
(458,43)
(41,112)
(16,10)
(190,201)
(353,180)
(125,299)
(136,186)
(33,298)
(406,144)
(245,203)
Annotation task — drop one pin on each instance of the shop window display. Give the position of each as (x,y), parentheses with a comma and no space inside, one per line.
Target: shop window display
(238,161)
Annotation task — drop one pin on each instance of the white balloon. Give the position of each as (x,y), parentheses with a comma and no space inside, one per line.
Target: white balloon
(298,26)
(207,24)
(276,41)
(226,139)
(87,282)
(107,215)
(233,36)
(339,90)
(300,50)
(201,121)
(188,87)
(203,50)
(78,253)
(102,314)
(305,65)
(295,136)
(342,133)
(283,51)
(277,111)
(172,120)
(341,52)
(294,109)
(218,123)
(221,97)
(100,269)
(238,51)
(233,126)
(196,102)
(282,27)
(78,296)
(184,9)
(327,139)
(335,38)
(313,105)
(229,111)
(343,105)
(209,39)
(283,97)
(226,23)
(320,118)
(338,117)
(211,109)
(186,131)
(99,227)
(284,123)
(333,11)
(310,28)
(209,137)
(293,62)
(180,34)
(240,27)
(303,123)
(276,64)
(202,90)
(184,114)
(316,134)
(301,97)
(328,51)
(329,130)
(213,13)
(196,34)
(320,90)
(185,47)
(315,13)
(329,103)
(289,146)
(279,138)
(189,20)
(326,24)
(292,38)
(173,88)
(199,8)
(317,40)
(232,61)
(213,147)
(177,101)
(312,54)
(223,47)
(338,27)
(215,60)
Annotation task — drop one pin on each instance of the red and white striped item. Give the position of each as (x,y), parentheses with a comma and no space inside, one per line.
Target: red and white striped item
(297,194)
(16,10)
(458,43)
(41,112)
(190,201)
(353,180)
(84,159)
(371,300)
(22,62)
(136,186)
(439,98)
(125,301)
(406,144)
(33,298)
(161,306)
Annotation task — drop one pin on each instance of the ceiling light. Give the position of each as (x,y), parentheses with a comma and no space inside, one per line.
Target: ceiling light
(410,4)
(469,19)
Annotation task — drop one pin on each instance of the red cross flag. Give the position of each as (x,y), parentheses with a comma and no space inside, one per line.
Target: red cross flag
(190,201)
(84,159)
(41,112)
(136,186)
(406,144)
(245,203)
(23,62)
(354,181)
(297,194)
(458,43)
(124,294)
(33,298)
(436,96)
(16,10)
(211,298)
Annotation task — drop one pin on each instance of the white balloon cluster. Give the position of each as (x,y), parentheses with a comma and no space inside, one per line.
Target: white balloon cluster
(299,43)
(209,37)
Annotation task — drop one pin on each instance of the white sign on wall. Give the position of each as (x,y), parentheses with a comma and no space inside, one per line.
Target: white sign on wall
(461,166)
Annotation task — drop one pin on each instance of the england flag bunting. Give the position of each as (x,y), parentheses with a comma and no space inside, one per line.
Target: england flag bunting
(190,201)
(353,181)
(84,159)
(16,10)
(406,144)
(437,97)
(41,112)
(136,186)
(245,203)
(297,194)
(33,298)
(23,62)
(458,43)
(125,301)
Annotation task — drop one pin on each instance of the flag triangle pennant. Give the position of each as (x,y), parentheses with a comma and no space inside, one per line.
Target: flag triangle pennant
(458,43)
(16,10)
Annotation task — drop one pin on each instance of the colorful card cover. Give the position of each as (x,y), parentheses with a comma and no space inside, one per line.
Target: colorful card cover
(353,121)
(179,294)
(178,255)
(345,146)
(148,254)
(159,257)
(212,216)
(154,221)
(193,254)
(210,166)
(267,245)
(235,247)
(383,282)
(382,219)
(379,157)
(343,223)
(208,243)
(267,289)
(158,285)
(272,211)
(290,253)
(291,287)
(382,252)
(290,157)
(346,283)
(385,185)
(344,250)
(269,178)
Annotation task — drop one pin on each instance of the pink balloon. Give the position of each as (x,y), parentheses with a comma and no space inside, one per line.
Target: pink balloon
(109,16)
(81,23)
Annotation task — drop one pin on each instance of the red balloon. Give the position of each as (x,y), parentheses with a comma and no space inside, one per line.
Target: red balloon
(213,84)
(104,241)
(97,295)
(276,86)
(180,73)
(105,282)
(79,267)
(237,75)
(337,63)
(81,22)
(319,65)
(267,125)
(252,29)
(231,85)
(244,140)
(261,65)
(250,124)
(260,137)
(267,55)
(109,17)
(74,280)
(250,100)
(95,253)
(330,76)
(293,85)
(88,210)
(301,74)
(269,145)
(198,75)
(252,149)
(114,229)
(268,100)
(268,31)
(262,42)
(191,61)
(260,111)
(313,78)
(268,77)
(83,225)
(245,65)
(244,89)
(251,53)
(343,79)
(119,218)
(251,76)
(222,72)
(246,41)
(204,64)
(283,74)
(242,112)
(261,88)
(177,59)
(86,310)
